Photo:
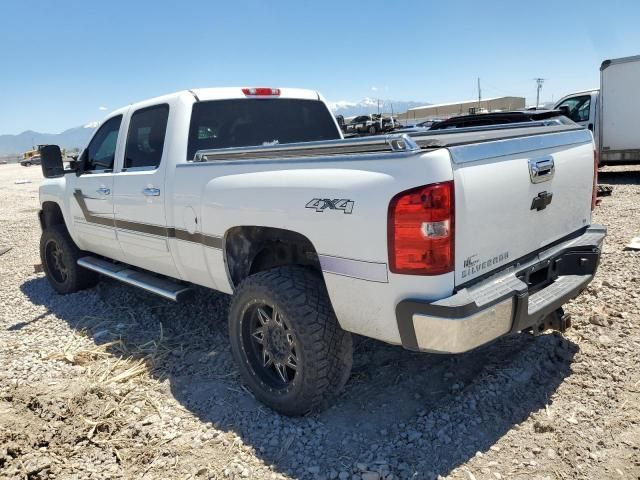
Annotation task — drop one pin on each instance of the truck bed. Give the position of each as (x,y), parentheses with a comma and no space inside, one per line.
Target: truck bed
(382,144)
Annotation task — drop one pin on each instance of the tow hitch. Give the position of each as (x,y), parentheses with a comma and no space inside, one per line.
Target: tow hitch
(557,320)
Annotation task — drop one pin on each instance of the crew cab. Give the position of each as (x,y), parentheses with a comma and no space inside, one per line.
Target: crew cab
(439,242)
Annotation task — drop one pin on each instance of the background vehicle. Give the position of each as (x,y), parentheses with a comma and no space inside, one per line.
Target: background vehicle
(501,118)
(28,156)
(427,123)
(362,124)
(372,124)
(32,160)
(439,243)
(386,124)
(611,112)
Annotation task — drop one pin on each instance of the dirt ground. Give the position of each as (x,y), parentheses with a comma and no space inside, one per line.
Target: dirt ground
(115,383)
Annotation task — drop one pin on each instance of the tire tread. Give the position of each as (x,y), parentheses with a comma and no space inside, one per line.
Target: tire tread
(328,354)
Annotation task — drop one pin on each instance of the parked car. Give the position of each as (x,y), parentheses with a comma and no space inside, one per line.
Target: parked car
(611,112)
(372,124)
(427,123)
(440,242)
(27,162)
(362,124)
(385,123)
(502,118)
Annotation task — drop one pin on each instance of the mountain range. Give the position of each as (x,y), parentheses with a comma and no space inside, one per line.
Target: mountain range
(370,105)
(76,137)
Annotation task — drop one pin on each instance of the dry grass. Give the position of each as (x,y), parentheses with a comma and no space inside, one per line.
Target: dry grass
(111,405)
(115,361)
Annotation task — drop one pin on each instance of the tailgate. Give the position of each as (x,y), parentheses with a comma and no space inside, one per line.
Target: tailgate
(518,195)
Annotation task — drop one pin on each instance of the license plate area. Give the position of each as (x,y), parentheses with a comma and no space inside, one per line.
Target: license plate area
(539,276)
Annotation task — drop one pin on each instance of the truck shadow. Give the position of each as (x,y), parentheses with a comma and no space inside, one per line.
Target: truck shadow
(415,415)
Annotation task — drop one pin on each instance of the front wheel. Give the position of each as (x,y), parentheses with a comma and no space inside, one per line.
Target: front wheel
(290,350)
(59,256)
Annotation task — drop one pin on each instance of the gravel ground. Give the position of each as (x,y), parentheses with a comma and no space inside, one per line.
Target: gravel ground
(115,383)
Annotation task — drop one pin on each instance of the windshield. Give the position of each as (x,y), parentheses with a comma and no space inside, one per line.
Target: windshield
(250,122)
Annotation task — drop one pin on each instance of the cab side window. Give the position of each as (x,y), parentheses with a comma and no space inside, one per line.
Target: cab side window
(145,140)
(101,151)
(578,107)
(582,113)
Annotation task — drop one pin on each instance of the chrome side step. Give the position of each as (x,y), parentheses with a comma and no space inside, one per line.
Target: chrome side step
(127,274)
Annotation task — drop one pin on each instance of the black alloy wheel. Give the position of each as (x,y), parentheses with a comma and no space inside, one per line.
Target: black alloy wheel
(54,257)
(270,344)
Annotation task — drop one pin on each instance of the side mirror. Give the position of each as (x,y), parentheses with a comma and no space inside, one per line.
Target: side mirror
(51,160)
(564,110)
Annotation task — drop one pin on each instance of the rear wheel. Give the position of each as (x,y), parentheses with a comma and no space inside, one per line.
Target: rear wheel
(291,351)
(59,256)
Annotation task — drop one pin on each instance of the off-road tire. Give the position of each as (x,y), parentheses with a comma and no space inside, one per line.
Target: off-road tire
(77,278)
(324,350)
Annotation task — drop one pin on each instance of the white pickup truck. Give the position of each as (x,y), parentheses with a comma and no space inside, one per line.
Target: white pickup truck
(438,242)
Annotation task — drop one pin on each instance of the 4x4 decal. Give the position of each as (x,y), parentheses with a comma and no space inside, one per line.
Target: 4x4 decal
(322,204)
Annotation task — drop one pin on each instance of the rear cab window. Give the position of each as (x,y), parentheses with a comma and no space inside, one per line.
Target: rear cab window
(145,140)
(252,122)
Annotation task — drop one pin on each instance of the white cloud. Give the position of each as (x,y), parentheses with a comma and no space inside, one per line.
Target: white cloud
(374,89)
(102,108)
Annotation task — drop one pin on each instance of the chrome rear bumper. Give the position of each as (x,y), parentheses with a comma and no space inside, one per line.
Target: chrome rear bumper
(514,299)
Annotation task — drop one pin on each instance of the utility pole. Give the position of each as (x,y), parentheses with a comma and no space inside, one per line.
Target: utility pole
(479,93)
(539,82)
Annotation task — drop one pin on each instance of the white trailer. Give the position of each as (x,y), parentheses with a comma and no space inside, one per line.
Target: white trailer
(611,112)
(619,132)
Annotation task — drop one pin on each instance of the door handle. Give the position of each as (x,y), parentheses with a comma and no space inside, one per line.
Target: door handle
(151,192)
(541,169)
(104,190)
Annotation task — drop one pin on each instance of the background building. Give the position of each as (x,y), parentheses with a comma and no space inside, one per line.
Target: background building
(446,110)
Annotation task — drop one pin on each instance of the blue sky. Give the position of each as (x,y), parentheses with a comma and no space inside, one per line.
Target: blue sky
(61,61)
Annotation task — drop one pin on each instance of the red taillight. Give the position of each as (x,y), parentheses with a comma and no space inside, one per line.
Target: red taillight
(261,92)
(594,193)
(421,230)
